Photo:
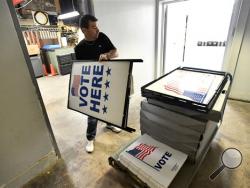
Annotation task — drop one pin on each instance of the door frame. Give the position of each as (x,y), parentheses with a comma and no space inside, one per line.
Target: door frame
(236,28)
(160,27)
(235,36)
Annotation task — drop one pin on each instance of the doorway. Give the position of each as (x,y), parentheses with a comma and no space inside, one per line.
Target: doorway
(192,33)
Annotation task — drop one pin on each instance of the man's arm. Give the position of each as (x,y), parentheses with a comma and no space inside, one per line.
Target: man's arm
(109,55)
(112,54)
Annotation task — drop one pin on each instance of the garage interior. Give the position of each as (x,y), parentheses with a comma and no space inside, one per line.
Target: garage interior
(79,169)
(43,142)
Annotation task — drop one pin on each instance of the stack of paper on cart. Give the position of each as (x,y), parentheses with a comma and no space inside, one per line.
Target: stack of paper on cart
(215,114)
(153,162)
(179,131)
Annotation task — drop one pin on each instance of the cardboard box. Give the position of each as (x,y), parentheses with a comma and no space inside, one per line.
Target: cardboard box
(33,49)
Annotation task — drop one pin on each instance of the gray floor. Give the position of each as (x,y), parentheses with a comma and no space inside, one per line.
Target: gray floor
(79,169)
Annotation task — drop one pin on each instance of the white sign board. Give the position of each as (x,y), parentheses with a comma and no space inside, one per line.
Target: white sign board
(194,86)
(100,90)
(153,162)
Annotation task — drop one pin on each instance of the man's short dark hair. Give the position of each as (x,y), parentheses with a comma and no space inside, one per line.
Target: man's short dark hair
(84,20)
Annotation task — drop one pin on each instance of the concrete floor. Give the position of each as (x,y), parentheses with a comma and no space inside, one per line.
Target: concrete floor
(80,169)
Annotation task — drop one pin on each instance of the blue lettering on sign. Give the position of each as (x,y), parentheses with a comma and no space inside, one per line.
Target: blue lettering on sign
(96,94)
(163,160)
(95,105)
(97,82)
(86,70)
(83,89)
(96,85)
(83,93)
(98,71)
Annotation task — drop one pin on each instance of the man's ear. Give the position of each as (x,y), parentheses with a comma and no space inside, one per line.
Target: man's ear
(83,29)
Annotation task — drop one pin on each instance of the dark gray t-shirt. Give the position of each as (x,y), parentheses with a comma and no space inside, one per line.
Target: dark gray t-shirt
(91,50)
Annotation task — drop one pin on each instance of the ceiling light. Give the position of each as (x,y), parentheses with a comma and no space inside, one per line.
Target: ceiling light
(68,15)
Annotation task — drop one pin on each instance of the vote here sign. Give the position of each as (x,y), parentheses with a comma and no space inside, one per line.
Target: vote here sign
(100,90)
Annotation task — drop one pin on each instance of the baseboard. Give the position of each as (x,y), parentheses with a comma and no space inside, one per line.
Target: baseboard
(32,171)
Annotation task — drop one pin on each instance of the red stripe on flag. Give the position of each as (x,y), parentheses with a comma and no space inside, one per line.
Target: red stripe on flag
(145,150)
(173,88)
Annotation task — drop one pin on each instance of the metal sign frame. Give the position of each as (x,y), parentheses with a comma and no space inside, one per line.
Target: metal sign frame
(128,88)
(185,102)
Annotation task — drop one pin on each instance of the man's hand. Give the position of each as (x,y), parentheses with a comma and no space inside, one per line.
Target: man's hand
(103,57)
(109,55)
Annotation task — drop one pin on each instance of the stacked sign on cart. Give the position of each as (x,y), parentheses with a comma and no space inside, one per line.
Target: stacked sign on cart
(177,109)
(153,162)
(176,130)
(178,120)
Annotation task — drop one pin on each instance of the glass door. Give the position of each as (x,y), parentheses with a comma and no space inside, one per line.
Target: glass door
(192,33)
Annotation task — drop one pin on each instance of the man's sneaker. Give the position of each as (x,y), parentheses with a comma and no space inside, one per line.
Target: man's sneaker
(90,146)
(114,129)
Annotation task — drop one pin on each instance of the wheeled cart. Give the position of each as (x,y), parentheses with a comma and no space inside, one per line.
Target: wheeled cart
(181,180)
(183,110)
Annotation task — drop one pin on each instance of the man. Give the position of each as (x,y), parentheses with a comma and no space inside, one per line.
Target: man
(95,46)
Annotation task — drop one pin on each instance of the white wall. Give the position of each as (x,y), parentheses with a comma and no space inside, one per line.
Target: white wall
(241,87)
(130,24)
(26,147)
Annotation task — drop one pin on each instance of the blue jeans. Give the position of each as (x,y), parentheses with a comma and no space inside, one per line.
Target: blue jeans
(91,129)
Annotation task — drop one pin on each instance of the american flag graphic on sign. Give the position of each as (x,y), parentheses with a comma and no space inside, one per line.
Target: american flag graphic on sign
(75,85)
(141,151)
(197,95)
